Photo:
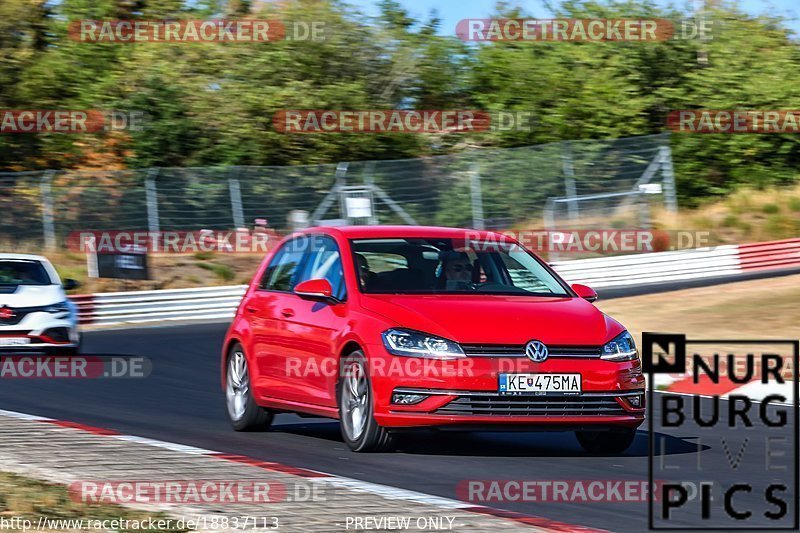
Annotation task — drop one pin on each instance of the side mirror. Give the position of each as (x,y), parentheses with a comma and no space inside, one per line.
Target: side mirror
(315,289)
(585,292)
(70,284)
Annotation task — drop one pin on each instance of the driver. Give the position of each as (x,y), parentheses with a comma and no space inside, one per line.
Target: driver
(457,267)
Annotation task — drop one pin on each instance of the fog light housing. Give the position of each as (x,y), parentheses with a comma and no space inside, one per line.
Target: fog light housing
(57,334)
(403,398)
(635,401)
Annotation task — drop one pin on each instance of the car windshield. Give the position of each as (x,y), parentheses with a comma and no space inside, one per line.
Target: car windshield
(22,272)
(444,266)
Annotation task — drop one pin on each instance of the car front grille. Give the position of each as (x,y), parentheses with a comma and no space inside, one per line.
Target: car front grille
(518,350)
(547,406)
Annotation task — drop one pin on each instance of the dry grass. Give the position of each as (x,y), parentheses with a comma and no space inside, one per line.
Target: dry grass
(29,499)
(745,216)
(758,309)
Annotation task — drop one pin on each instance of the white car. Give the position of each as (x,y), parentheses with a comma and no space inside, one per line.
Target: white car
(35,314)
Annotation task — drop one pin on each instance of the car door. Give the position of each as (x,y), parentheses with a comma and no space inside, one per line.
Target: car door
(263,310)
(309,328)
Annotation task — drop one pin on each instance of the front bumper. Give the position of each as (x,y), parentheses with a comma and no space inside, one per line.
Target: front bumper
(39,331)
(589,409)
(464,392)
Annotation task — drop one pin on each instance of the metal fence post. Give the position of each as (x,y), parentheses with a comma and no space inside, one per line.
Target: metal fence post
(569,180)
(670,194)
(48,221)
(369,182)
(236,201)
(478,221)
(331,197)
(152,200)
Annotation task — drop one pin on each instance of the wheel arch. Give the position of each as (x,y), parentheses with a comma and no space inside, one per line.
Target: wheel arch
(226,353)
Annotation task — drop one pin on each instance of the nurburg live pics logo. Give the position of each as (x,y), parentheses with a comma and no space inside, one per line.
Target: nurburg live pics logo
(724,463)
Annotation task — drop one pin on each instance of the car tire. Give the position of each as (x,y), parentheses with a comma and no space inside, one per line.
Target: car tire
(614,441)
(360,431)
(243,412)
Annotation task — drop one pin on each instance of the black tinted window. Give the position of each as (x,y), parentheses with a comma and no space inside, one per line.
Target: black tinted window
(21,272)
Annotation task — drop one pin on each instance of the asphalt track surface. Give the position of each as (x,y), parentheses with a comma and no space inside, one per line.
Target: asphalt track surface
(181,402)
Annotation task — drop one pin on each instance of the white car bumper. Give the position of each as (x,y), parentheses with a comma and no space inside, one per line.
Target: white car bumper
(38,330)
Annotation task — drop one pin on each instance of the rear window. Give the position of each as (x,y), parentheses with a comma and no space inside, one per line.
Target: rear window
(23,272)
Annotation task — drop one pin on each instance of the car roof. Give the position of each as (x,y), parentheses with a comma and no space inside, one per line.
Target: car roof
(27,257)
(377,232)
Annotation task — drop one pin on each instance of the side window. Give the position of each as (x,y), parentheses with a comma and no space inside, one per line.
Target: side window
(281,274)
(325,262)
(526,273)
(384,261)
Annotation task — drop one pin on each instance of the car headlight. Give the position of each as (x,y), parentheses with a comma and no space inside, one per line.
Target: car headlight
(622,348)
(416,344)
(60,307)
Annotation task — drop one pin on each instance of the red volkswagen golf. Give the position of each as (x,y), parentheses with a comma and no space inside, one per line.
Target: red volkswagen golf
(390,328)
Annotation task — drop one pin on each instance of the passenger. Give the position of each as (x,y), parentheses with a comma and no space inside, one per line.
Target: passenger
(365,275)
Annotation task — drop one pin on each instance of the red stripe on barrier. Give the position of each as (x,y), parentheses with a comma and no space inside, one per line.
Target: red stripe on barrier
(767,244)
(82,427)
(771,255)
(85,303)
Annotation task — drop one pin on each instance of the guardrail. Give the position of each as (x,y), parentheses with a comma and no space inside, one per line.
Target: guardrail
(642,269)
(206,303)
(211,303)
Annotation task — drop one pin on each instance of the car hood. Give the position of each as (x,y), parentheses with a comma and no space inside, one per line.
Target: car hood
(31,295)
(491,319)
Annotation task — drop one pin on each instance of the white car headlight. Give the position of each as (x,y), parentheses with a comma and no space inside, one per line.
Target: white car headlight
(60,307)
(622,348)
(416,344)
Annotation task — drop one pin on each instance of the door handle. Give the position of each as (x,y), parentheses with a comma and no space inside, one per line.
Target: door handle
(287,312)
(250,309)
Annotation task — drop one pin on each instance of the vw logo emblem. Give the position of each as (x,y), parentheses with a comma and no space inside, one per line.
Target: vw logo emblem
(536,351)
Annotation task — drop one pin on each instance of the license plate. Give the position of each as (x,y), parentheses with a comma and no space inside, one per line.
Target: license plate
(14,341)
(540,383)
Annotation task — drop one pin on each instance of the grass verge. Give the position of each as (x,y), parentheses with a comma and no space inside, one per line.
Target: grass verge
(23,498)
(760,309)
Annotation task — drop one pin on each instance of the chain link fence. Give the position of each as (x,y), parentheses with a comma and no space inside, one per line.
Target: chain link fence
(576,184)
